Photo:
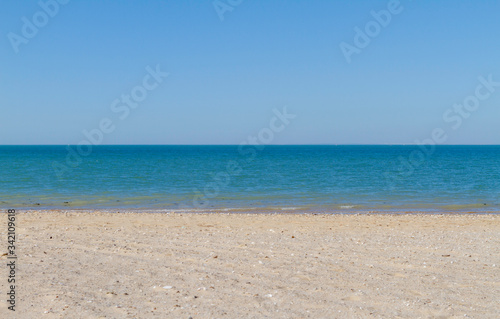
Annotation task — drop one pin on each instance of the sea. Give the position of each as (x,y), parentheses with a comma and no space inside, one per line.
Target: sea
(252,178)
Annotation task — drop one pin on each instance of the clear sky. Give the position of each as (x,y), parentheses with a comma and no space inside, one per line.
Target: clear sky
(226,76)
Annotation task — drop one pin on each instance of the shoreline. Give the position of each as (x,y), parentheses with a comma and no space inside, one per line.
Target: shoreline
(179,265)
(244,211)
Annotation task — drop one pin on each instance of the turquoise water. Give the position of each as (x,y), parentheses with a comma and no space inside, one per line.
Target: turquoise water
(270,178)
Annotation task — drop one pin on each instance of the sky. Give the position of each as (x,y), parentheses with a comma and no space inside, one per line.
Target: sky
(352,72)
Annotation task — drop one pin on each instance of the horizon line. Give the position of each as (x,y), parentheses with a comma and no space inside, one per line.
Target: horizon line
(318,144)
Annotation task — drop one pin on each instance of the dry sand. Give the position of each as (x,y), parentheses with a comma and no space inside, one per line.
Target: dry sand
(143,265)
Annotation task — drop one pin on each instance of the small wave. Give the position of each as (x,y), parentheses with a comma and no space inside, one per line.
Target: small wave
(290,208)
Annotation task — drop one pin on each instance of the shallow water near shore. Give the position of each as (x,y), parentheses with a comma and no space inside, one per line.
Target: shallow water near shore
(252,179)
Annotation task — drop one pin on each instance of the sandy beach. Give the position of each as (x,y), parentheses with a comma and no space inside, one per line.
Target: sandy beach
(146,265)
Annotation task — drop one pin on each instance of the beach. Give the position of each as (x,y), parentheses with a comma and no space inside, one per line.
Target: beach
(142,265)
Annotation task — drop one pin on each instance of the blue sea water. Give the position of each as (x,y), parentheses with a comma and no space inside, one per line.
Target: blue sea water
(252,178)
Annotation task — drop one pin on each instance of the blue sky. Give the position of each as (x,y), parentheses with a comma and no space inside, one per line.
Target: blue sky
(226,76)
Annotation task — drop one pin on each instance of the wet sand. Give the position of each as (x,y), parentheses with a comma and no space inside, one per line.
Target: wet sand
(143,265)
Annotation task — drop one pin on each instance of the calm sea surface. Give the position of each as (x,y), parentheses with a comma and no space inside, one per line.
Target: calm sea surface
(272,178)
